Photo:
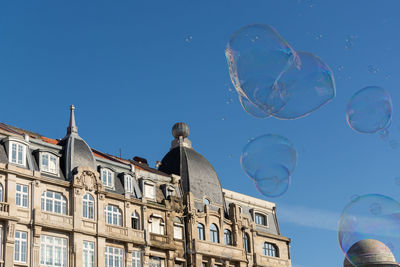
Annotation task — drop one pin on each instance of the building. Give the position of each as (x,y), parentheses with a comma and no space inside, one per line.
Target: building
(63,203)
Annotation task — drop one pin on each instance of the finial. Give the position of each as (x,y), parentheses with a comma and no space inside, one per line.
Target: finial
(72,126)
(180,129)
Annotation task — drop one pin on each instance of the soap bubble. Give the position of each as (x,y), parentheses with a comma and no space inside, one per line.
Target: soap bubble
(370,217)
(268,156)
(251,108)
(369,110)
(272,180)
(307,86)
(257,56)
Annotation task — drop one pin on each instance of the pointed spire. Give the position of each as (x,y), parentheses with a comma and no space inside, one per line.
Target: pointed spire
(72,126)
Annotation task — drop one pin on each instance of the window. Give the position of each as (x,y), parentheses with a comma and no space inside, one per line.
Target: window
(156,225)
(107,177)
(88,206)
(21,197)
(170,191)
(113,215)
(20,246)
(49,163)
(206,201)
(54,202)
(88,254)
(260,219)
(227,237)
(149,191)
(203,264)
(178,228)
(136,258)
(246,242)
(114,257)
(200,231)
(135,220)
(18,153)
(214,233)
(240,210)
(270,250)
(129,184)
(156,262)
(53,251)
(1,193)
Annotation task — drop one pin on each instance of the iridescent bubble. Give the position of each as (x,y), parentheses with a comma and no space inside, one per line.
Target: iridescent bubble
(307,86)
(370,217)
(272,180)
(267,156)
(257,56)
(369,110)
(251,108)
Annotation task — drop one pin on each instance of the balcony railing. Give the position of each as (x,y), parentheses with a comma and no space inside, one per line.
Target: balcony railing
(53,220)
(124,233)
(4,207)
(159,238)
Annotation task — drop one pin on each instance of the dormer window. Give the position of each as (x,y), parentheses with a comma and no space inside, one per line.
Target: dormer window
(107,177)
(17,153)
(149,190)
(129,184)
(48,163)
(260,219)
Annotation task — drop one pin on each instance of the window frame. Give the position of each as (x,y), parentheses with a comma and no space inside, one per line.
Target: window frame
(22,245)
(18,145)
(21,197)
(263,217)
(155,217)
(227,237)
(109,177)
(88,204)
(1,193)
(113,255)
(137,258)
(88,254)
(214,233)
(147,184)
(246,242)
(49,155)
(178,226)
(63,203)
(128,183)
(135,217)
(270,250)
(200,231)
(115,213)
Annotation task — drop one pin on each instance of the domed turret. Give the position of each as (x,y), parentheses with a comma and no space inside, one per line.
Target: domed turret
(76,151)
(197,174)
(370,253)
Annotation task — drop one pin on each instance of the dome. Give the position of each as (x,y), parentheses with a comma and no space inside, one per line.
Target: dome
(197,174)
(370,253)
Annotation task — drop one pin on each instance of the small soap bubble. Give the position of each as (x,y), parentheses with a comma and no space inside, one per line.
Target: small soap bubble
(340,68)
(223,118)
(307,86)
(269,160)
(370,221)
(369,110)
(188,39)
(397,180)
(349,41)
(372,69)
(318,36)
(388,76)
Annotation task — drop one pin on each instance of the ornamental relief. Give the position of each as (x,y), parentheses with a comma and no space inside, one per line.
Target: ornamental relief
(88,179)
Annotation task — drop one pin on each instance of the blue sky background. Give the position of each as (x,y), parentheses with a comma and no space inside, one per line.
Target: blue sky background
(127,68)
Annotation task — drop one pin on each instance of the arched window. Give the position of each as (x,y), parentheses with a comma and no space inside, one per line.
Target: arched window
(113,215)
(135,220)
(156,225)
(246,242)
(178,228)
(214,233)
(270,250)
(200,231)
(227,237)
(54,202)
(88,206)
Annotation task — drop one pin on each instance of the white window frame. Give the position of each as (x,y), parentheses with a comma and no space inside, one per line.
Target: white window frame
(153,226)
(107,177)
(136,258)
(54,249)
(1,193)
(21,195)
(135,216)
(201,232)
(115,253)
(88,206)
(264,217)
(113,215)
(54,201)
(45,168)
(149,193)
(21,247)
(129,188)
(153,263)
(178,228)
(88,259)
(20,159)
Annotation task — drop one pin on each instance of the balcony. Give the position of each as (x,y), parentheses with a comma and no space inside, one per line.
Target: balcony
(4,210)
(219,250)
(262,260)
(53,220)
(124,234)
(161,241)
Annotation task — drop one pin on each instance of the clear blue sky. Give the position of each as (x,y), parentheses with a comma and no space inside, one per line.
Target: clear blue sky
(131,74)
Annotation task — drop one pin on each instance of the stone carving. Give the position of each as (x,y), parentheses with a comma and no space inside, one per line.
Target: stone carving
(88,179)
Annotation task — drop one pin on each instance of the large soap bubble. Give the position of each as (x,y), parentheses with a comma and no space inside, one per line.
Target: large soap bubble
(252,109)
(370,219)
(257,56)
(369,110)
(269,160)
(307,85)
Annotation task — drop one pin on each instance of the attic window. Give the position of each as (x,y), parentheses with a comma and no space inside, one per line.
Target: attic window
(48,163)
(17,153)
(107,177)
(129,184)
(149,190)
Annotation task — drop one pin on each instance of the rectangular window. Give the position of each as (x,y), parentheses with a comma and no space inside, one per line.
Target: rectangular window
(21,197)
(156,262)
(260,219)
(17,153)
(107,178)
(88,254)
(136,258)
(114,257)
(20,246)
(178,231)
(149,191)
(53,251)
(129,184)
(49,163)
